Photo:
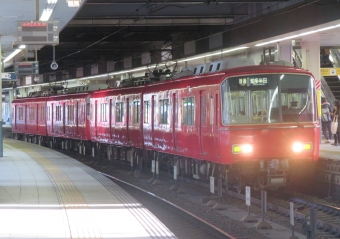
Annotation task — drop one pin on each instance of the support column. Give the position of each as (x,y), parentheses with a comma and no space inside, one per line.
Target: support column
(311,57)
(311,62)
(284,53)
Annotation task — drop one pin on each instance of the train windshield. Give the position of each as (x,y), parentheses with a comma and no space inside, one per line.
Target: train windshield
(268,98)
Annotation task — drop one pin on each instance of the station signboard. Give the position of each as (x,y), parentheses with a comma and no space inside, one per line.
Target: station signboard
(26,68)
(330,71)
(8,76)
(38,32)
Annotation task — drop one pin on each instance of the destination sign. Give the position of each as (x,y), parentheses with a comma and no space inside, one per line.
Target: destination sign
(253,81)
(38,32)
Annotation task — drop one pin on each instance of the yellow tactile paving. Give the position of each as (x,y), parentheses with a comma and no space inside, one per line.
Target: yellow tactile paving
(44,194)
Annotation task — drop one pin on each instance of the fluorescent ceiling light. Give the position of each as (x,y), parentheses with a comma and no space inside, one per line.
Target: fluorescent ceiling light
(298,35)
(213,54)
(13,54)
(47,12)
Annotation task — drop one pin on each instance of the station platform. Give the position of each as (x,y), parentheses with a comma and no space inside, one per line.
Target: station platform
(329,151)
(45,194)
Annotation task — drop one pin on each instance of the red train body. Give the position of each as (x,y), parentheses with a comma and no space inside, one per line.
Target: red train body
(247,124)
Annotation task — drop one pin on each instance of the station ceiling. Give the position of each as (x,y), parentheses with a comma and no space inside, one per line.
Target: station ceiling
(111,30)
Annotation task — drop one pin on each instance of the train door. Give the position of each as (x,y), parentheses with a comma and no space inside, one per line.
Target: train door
(52,118)
(216,124)
(204,127)
(110,117)
(174,118)
(63,105)
(153,105)
(26,116)
(127,119)
(37,117)
(15,116)
(96,118)
(77,119)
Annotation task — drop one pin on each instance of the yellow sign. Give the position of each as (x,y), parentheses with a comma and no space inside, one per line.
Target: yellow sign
(330,71)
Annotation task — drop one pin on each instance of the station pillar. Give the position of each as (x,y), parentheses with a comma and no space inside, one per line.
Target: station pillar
(311,57)
(311,61)
(284,52)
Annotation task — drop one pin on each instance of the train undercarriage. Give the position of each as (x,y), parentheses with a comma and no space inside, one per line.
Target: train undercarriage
(262,174)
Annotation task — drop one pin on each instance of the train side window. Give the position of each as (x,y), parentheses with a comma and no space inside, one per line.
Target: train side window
(163,111)
(188,111)
(136,110)
(103,112)
(119,111)
(212,110)
(146,111)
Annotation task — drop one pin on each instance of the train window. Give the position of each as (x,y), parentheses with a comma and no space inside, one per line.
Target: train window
(119,111)
(70,113)
(21,113)
(103,112)
(201,71)
(218,66)
(136,110)
(146,111)
(42,113)
(210,67)
(31,113)
(268,98)
(163,111)
(188,111)
(203,108)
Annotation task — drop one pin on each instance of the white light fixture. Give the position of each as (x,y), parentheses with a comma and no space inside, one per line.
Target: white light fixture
(13,54)
(47,12)
(213,54)
(73,3)
(298,35)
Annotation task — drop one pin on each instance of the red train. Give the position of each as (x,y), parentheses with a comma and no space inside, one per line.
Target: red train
(246,124)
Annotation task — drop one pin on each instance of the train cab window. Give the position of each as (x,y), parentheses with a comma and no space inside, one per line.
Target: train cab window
(163,111)
(188,111)
(268,98)
(146,108)
(119,111)
(136,110)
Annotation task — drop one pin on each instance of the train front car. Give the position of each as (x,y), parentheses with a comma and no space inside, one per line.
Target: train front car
(269,124)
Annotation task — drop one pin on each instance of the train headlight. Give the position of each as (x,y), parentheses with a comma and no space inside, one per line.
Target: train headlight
(242,148)
(298,147)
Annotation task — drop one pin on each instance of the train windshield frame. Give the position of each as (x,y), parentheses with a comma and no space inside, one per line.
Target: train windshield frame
(268,98)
